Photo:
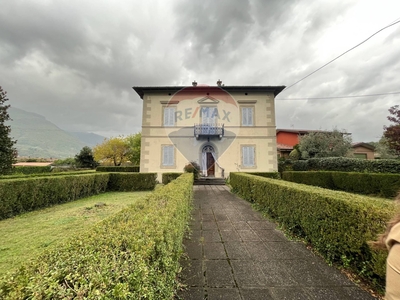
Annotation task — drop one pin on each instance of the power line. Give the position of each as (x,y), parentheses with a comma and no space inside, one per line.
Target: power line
(341,97)
(331,61)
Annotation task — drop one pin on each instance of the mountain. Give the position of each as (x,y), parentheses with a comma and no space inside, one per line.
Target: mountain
(38,137)
(88,138)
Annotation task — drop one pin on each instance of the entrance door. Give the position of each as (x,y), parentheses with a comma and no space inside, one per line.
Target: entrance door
(210,164)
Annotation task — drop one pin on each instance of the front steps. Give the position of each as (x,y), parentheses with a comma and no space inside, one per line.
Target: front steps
(209,181)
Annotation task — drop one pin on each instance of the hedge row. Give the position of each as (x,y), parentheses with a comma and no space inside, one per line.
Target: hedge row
(26,194)
(343,164)
(30,169)
(23,195)
(132,255)
(132,182)
(337,224)
(168,177)
(14,176)
(377,184)
(274,175)
(135,169)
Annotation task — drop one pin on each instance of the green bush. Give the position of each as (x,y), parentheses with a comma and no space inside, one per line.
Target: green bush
(31,169)
(168,177)
(52,174)
(274,175)
(192,167)
(377,184)
(337,224)
(132,255)
(345,164)
(131,181)
(27,194)
(135,169)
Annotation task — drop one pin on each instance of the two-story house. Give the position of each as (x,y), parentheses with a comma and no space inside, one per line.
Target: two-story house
(221,128)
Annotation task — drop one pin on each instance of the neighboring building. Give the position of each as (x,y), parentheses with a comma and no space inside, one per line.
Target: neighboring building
(286,139)
(363,151)
(222,128)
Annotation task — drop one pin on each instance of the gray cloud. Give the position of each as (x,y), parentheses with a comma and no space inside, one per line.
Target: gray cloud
(75,62)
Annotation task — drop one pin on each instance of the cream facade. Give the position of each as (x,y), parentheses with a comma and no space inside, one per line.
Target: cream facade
(222,128)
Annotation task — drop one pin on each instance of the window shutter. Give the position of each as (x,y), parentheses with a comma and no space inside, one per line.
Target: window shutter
(168,155)
(248,156)
(250,116)
(244,116)
(247,116)
(169,116)
(251,156)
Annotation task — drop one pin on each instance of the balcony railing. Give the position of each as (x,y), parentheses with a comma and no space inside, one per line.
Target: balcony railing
(208,130)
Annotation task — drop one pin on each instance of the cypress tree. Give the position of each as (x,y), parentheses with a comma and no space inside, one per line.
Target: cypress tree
(7,151)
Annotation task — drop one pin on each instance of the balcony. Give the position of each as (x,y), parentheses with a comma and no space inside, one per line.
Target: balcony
(208,130)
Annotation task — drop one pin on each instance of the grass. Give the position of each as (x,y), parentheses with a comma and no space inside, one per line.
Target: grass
(25,236)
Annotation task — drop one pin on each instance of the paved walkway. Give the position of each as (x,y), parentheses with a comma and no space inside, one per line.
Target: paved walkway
(234,253)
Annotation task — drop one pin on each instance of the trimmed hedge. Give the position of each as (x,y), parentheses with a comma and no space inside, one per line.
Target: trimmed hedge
(168,177)
(132,255)
(337,224)
(135,169)
(30,169)
(378,184)
(274,175)
(345,164)
(132,181)
(69,173)
(27,194)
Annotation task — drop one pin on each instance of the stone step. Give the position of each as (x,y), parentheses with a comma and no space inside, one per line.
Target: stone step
(209,181)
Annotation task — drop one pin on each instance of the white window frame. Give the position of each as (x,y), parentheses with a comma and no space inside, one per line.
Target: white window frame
(168,159)
(169,118)
(247,115)
(248,155)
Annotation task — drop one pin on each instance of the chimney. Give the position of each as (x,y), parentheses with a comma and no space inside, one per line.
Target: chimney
(194,83)
(219,82)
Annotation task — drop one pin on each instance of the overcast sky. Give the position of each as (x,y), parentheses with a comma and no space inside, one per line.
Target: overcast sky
(75,61)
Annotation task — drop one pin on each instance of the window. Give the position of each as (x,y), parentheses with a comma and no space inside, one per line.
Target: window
(169,116)
(209,115)
(248,157)
(247,116)
(168,155)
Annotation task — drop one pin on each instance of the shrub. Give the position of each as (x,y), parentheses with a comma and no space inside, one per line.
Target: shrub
(31,169)
(193,167)
(118,169)
(132,255)
(131,181)
(345,164)
(64,162)
(337,224)
(52,174)
(274,175)
(378,184)
(27,194)
(168,177)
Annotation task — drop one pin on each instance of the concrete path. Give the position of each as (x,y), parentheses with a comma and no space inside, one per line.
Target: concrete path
(234,253)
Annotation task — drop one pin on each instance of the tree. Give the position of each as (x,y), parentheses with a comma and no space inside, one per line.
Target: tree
(383,150)
(295,154)
(8,153)
(392,132)
(85,158)
(134,142)
(112,151)
(325,144)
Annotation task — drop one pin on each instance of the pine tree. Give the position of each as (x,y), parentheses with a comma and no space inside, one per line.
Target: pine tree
(7,152)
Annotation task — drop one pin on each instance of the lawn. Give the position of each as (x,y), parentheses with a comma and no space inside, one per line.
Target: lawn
(24,237)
